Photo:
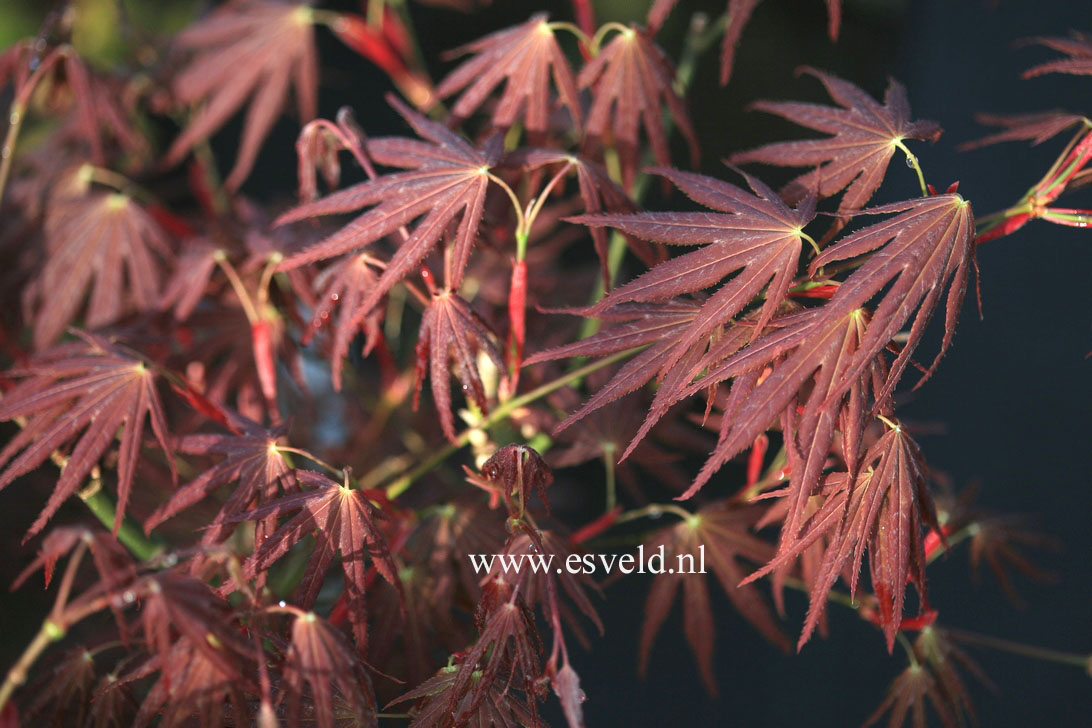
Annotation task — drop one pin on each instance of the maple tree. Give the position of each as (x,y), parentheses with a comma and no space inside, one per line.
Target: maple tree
(269,539)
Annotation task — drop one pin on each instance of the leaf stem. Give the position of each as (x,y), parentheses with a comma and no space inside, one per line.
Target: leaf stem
(403,483)
(601,34)
(654,510)
(1019,648)
(17,675)
(913,162)
(220,256)
(130,535)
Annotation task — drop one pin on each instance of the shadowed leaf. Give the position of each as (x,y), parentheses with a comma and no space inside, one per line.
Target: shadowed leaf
(246,49)
(91,389)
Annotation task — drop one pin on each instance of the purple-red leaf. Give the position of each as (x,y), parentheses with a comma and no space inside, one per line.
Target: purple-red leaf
(343,521)
(89,387)
(450,330)
(1079,49)
(102,248)
(631,80)
(445,180)
(523,58)
(715,537)
(252,48)
(864,137)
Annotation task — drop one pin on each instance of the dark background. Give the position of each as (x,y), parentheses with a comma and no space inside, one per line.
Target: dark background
(1012,395)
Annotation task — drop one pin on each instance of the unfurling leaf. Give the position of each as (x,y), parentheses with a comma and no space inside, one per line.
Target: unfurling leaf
(450,330)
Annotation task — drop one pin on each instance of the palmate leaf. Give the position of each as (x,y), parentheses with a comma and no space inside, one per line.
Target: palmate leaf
(446,180)
(636,325)
(247,48)
(855,158)
(882,510)
(719,533)
(523,58)
(343,286)
(1036,127)
(250,459)
(921,250)
(1079,49)
(450,330)
(755,236)
(631,80)
(343,521)
(319,658)
(90,387)
(190,686)
(500,706)
(103,248)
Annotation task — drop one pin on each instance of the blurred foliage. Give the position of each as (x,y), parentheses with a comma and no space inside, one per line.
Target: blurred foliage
(100,27)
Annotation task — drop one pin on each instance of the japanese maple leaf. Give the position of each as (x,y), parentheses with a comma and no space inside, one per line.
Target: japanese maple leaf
(631,80)
(250,459)
(343,287)
(1079,49)
(102,248)
(882,510)
(248,48)
(90,387)
(719,533)
(500,705)
(636,325)
(174,605)
(508,642)
(924,248)
(755,236)
(342,520)
(319,658)
(450,330)
(865,136)
(190,685)
(445,180)
(1036,128)
(523,58)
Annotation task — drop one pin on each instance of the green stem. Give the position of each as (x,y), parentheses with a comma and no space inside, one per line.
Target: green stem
(608,463)
(7,152)
(130,534)
(654,511)
(913,162)
(403,483)
(1018,648)
(17,675)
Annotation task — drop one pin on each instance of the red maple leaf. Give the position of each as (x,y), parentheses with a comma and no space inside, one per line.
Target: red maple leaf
(89,386)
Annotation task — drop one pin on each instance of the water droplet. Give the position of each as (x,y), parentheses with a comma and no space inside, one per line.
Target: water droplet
(910,162)
(334,297)
(13,119)
(282,604)
(128,597)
